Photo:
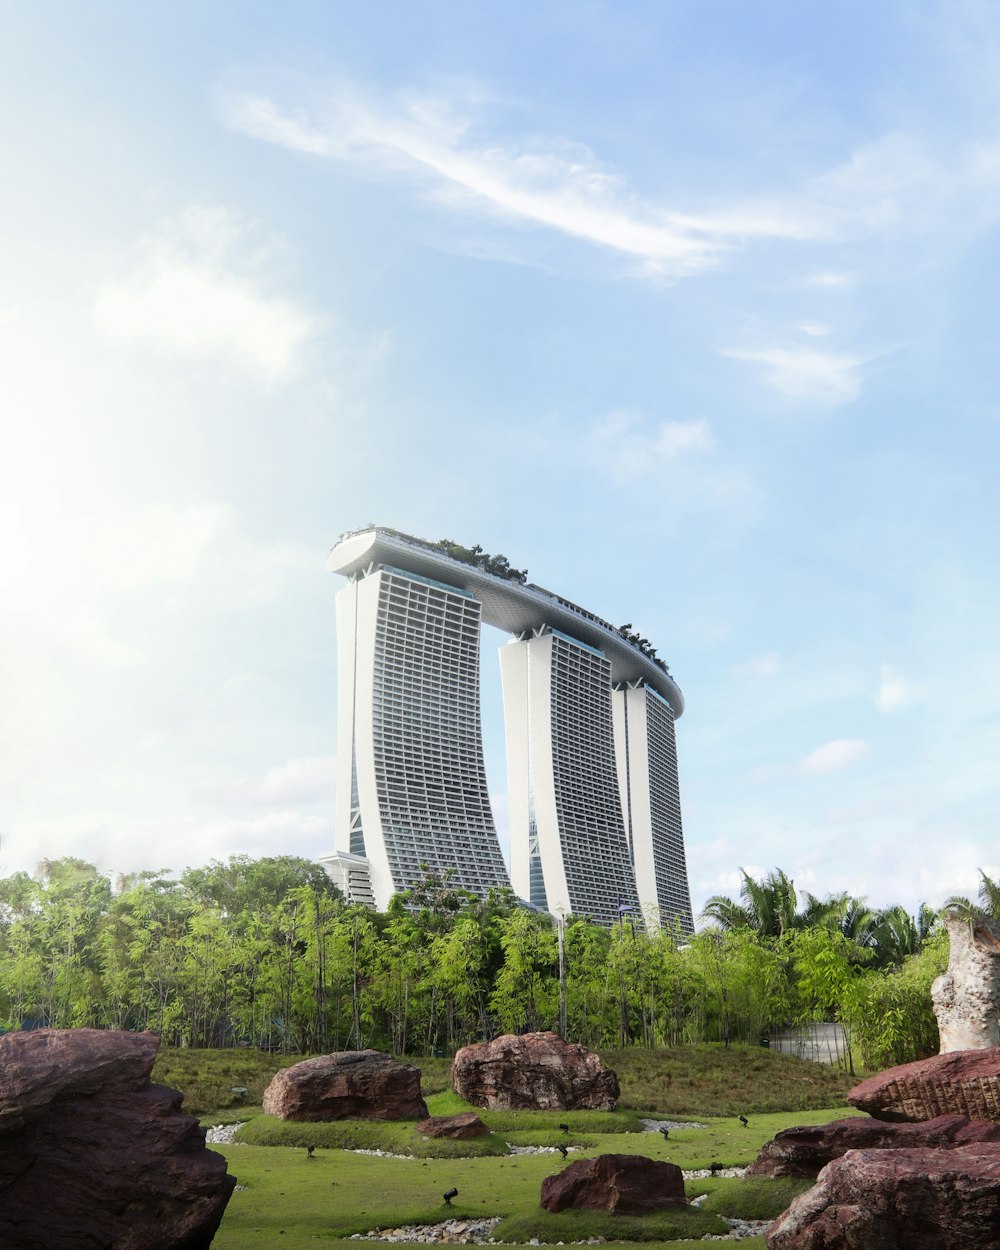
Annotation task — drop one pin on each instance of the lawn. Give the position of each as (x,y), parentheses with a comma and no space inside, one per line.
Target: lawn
(319,1200)
(290,1200)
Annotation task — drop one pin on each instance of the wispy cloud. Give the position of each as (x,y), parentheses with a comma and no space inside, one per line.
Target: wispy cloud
(804,373)
(549,182)
(199,288)
(834,756)
(893,184)
(635,447)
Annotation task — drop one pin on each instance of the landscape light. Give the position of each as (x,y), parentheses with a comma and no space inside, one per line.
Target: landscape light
(664,1133)
(564,1127)
(744,1121)
(562,1150)
(452,1193)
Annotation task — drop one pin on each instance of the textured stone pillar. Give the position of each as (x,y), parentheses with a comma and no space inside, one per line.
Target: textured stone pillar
(967,997)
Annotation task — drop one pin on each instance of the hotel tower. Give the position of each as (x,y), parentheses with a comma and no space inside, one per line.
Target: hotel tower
(595,823)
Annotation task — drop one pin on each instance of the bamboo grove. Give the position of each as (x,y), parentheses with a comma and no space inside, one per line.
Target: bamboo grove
(265,953)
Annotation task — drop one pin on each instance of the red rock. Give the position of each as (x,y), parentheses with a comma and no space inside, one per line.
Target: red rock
(347,1085)
(803,1151)
(898,1200)
(459,1127)
(533,1071)
(963,1082)
(95,1157)
(624,1184)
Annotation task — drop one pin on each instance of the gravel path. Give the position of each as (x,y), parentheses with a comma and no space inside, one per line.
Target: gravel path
(223,1135)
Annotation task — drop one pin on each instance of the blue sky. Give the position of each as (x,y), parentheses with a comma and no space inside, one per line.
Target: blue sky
(689,308)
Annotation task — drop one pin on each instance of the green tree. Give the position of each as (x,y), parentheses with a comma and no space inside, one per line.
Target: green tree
(526,990)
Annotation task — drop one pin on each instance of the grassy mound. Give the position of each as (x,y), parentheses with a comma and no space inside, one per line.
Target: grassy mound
(680,1223)
(394,1137)
(715,1080)
(757,1198)
(708,1080)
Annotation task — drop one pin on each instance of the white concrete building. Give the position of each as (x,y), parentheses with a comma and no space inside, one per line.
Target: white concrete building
(646,754)
(411,782)
(589,713)
(568,847)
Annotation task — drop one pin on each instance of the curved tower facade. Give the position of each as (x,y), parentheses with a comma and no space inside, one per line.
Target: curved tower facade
(411,782)
(591,759)
(568,847)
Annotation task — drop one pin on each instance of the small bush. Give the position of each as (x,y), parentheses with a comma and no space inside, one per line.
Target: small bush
(568,1226)
(391,1136)
(756,1198)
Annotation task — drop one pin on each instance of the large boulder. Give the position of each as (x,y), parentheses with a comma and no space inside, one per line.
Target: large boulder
(533,1071)
(458,1127)
(622,1184)
(804,1151)
(898,1200)
(963,1082)
(347,1085)
(95,1157)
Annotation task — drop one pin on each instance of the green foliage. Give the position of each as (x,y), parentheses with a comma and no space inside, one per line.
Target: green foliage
(265,954)
(891,1013)
(498,565)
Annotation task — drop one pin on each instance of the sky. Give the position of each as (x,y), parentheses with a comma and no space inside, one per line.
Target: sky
(686,306)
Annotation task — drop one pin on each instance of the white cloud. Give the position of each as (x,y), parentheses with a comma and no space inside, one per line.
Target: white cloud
(833,756)
(894,692)
(822,377)
(198,289)
(635,447)
(814,329)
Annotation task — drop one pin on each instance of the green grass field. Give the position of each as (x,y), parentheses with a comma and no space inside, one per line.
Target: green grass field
(292,1201)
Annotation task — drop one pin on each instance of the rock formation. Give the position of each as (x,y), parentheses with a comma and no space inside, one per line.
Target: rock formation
(623,1184)
(458,1127)
(804,1151)
(967,996)
(349,1084)
(533,1071)
(963,1082)
(898,1200)
(95,1157)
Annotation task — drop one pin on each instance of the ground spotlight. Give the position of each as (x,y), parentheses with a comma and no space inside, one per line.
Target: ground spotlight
(451,1193)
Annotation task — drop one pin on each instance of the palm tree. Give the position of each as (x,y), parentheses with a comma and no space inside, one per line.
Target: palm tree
(897,934)
(768,905)
(989,900)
